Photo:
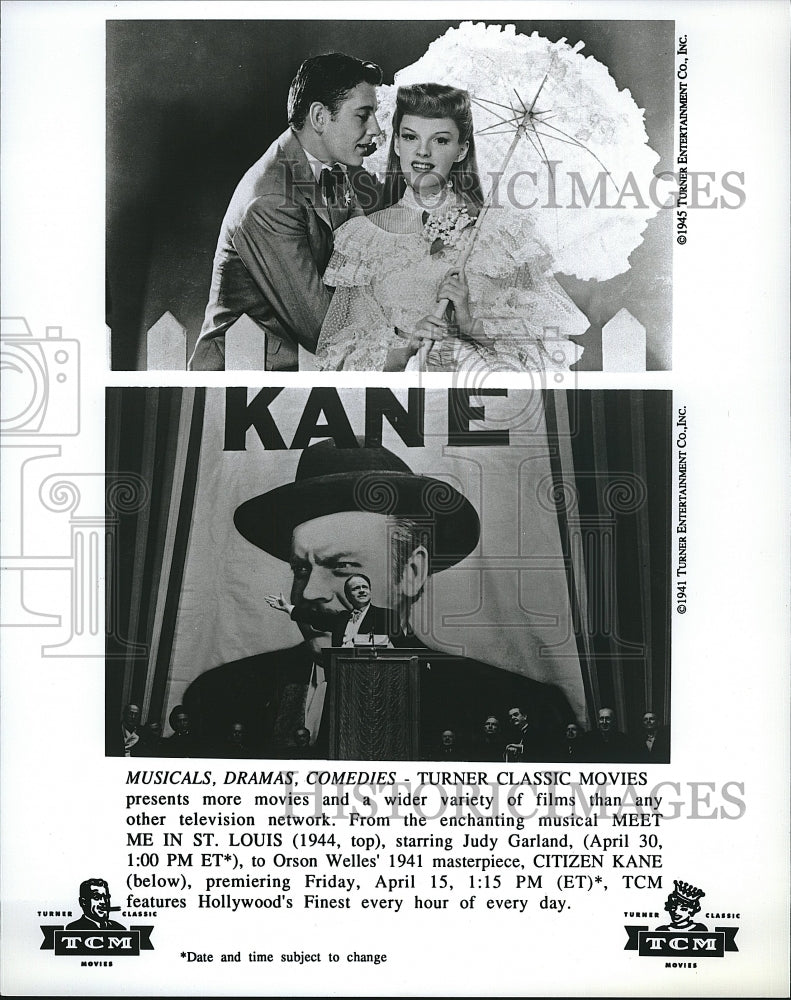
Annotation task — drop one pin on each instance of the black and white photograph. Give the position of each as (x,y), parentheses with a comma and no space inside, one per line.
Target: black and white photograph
(394,586)
(426,196)
(391,575)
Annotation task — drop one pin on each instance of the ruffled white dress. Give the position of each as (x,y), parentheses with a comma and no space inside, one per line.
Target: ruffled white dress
(386,279)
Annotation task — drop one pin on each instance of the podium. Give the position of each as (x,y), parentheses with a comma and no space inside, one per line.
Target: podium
(374,703)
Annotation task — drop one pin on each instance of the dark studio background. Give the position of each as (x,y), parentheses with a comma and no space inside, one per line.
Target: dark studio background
(192,104)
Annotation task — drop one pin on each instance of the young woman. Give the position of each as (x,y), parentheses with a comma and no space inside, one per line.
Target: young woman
(390,269)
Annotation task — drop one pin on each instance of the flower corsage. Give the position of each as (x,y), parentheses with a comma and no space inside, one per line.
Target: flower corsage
(446,229)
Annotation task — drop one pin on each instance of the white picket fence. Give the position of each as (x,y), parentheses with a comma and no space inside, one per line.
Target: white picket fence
(166,345)
(623,345)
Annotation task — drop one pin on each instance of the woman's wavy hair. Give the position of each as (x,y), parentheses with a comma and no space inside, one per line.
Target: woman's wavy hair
(434,100)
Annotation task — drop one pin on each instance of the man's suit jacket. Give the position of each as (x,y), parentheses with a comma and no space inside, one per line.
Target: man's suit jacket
(659,752)
(274,245)
(613,750)
(267,694)
(84,923)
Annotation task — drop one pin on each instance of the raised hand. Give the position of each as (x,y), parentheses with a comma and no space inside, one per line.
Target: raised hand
(279,603)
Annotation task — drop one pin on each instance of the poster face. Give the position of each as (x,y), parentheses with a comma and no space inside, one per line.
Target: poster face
(389,629)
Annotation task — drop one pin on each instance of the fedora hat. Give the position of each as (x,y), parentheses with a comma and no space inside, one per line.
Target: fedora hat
(330,480)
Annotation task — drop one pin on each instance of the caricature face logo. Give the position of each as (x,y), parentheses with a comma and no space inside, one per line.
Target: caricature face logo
(95,933)
(95,901)
(680,913)
(682,905)
(684,938)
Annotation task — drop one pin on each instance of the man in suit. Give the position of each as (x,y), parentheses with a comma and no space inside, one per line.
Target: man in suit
(535,721)
(182,743)
(571,744)
(360,619)
(488,742)
(329,525)
(652,746)
(95,905)
(607,745)
(130,726)
(276,237)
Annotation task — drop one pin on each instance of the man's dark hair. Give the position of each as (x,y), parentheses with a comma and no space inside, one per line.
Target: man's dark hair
(327,79)
(178,710)
(85,887)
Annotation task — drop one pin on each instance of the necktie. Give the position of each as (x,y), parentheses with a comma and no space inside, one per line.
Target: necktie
(333,185)
(336,196)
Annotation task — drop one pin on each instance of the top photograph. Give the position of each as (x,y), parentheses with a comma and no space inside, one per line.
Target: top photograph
(390,196)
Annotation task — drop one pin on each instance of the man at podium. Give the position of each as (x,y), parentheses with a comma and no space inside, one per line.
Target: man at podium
(361,624)
(362,533)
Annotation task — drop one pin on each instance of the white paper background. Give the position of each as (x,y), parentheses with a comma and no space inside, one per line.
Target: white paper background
(62,800)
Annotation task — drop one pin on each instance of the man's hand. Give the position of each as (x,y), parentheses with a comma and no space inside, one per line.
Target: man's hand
(279,603)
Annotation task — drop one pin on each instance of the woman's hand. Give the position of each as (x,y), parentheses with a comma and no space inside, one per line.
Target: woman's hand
(455,289)
(430,328)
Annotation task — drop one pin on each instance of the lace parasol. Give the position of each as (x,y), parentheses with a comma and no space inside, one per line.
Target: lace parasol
(571,141)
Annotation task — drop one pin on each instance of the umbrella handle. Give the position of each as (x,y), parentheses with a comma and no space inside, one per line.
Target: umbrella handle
(442,305)
(427,345)
(422,354)
(461,263)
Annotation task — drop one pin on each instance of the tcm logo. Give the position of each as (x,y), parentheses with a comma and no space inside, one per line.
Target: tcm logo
(97,942)
(685,936)
(665,945)
(95,932)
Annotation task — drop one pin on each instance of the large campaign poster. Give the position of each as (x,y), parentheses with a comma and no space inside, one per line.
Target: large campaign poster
(539,543)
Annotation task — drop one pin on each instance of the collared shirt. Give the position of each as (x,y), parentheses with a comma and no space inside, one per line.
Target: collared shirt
(353,626)
(317,166)
(130,739)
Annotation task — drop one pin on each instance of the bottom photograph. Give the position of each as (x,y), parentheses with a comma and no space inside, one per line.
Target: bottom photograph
(422,574)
